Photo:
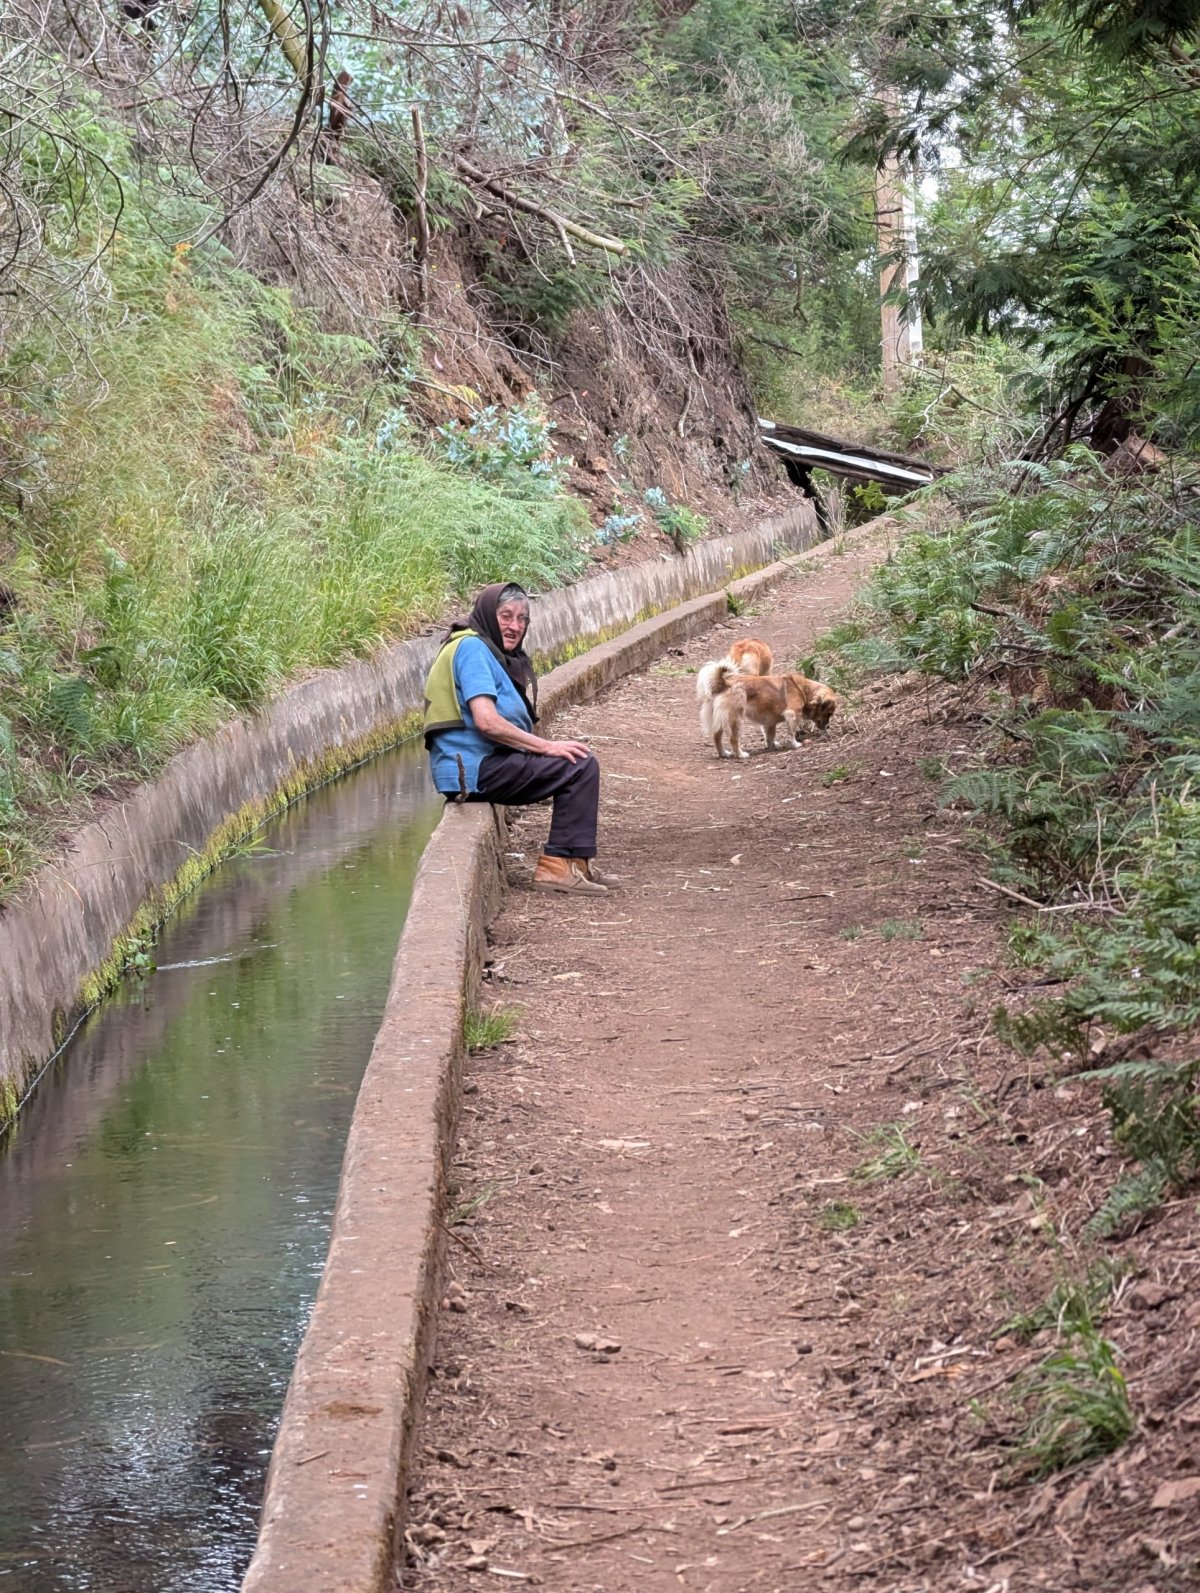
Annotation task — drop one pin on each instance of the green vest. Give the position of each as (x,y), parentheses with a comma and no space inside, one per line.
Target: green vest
(443,711)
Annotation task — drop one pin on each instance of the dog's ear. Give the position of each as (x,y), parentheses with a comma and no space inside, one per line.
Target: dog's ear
(822,706)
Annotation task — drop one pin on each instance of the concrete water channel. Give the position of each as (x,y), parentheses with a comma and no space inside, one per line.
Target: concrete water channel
(166,1196)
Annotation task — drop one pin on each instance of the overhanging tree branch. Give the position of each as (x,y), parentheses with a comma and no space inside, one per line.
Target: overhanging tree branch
(291,41)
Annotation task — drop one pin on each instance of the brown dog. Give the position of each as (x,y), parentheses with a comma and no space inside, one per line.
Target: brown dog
(749,656)
(726,699)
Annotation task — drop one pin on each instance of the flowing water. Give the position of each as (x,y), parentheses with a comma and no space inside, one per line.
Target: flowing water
(166,1197)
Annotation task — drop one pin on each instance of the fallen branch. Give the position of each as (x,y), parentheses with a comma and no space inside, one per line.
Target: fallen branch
(607,1537)
(560,223)
(769,1515)
(1007,890)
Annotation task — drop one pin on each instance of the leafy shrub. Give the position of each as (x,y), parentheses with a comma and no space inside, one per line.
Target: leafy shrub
(680,524)
(1156,1122)
(510,446)
(620,526)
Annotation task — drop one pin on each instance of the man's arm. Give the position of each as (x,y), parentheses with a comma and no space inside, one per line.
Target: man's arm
(490,722)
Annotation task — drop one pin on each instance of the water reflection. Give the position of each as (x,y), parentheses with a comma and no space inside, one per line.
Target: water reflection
(165,1203)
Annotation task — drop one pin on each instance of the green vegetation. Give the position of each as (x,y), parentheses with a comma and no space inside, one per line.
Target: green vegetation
(895,1155)
(1156,1122)
(216,497)
(901,929)
(682,525)
(1075,1402)
(473,1205)
(839,773)
(483,1030)
(1078,592)
(836,1216)
(1073,1306)
(1077,1406)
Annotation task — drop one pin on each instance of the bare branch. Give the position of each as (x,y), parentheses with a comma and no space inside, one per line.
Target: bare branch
(561,223)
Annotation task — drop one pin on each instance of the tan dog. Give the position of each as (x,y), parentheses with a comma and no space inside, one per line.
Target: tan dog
(751,657)
(726,699)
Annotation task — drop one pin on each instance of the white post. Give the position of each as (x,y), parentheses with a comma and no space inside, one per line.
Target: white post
(912,270)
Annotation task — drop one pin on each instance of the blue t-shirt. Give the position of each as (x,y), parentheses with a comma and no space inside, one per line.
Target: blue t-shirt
(476,674)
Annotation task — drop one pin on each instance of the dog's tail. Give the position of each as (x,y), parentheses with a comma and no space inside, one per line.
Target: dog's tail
(713,679)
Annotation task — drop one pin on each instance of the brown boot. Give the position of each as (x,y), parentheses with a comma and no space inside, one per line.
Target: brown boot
(565,874)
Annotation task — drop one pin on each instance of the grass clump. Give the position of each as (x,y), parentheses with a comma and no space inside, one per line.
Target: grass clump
(839,773)
(836,1216)
(895,1155)
(1078,1407)
(1075,1401)
(483,1030)
(465,1211)
(1074,1305)
(901,929)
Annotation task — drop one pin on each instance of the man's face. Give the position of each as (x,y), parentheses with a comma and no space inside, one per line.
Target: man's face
(513,620)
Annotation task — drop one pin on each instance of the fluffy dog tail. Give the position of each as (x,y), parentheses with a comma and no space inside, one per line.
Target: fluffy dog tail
(713,679)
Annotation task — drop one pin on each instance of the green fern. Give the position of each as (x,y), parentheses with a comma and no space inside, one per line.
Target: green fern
(1048,1023)
(1131,1198)
(69,711)
(1156,1117)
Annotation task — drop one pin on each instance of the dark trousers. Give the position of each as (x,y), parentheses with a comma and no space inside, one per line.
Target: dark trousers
(511,778)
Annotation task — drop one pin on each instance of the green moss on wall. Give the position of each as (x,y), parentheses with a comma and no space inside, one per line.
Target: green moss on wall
(306,776)
(578,645)
(131,947)
(10,1099)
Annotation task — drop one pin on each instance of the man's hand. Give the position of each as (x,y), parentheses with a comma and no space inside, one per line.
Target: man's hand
(572,751)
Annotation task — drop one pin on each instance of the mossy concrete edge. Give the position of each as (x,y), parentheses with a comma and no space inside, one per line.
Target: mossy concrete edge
(333,1517)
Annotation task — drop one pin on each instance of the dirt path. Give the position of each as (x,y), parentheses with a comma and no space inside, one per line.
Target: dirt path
(674,1154)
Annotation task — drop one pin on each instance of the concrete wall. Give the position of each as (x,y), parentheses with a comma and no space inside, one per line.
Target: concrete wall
(333,1513)
(65,943)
